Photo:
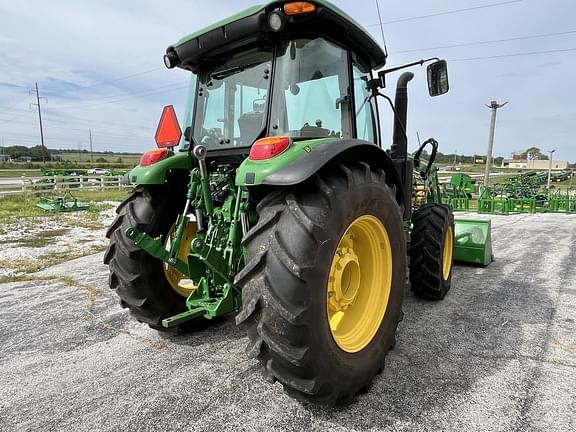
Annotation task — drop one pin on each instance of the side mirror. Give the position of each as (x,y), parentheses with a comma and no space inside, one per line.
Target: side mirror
(438,78)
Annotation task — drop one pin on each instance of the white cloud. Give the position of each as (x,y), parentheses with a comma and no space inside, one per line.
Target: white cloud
(70,47)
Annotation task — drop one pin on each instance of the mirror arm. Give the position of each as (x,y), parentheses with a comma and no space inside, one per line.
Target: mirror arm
(416,63)
(381,81)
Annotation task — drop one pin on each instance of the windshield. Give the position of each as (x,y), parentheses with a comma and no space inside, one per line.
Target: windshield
(232,101)
(311,96)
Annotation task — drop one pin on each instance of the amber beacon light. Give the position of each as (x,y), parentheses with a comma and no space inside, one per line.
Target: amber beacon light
(299,8)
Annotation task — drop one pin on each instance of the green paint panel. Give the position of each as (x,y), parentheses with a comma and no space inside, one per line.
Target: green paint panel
(252,173)
(473,242)
(156,173)
(258,8)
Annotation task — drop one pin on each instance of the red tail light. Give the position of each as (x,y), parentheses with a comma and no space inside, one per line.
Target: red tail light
(152,156)
(266,148)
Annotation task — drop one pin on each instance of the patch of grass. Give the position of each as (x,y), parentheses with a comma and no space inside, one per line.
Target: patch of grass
(103,195)
(19,206)
(43,237)
(91,293)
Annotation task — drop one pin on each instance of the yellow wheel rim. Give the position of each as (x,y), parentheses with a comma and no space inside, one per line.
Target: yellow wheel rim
(359,284)
(447,253)
(174,276)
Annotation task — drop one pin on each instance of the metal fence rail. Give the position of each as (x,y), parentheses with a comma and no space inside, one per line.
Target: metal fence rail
(43,184)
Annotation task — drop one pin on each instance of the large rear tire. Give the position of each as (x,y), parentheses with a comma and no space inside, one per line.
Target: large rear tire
(136,276)
(340,232)
(431,251)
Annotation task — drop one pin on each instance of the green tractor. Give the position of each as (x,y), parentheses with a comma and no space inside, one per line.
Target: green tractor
(278,202)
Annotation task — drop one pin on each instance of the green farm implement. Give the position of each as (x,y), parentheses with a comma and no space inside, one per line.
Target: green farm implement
(279,202)
(62,204)
(457,193)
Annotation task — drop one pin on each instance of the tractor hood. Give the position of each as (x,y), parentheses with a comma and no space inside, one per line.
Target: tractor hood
(252,26)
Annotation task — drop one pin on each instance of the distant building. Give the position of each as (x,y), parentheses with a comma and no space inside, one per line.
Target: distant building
(534,164)
(520,156)
(5,158)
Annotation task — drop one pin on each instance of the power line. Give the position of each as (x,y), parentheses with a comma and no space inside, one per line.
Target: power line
(513,55)
(450,12)
(72,120)
(487,42)
(20,114)
(12,106)
(78,132)
(122,95)
(91,122)
(135,95)
(99,83)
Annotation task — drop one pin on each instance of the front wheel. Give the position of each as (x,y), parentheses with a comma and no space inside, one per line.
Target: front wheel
(323,285)
(431,251)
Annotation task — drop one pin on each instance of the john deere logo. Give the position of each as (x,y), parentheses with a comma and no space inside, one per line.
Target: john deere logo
(307,149)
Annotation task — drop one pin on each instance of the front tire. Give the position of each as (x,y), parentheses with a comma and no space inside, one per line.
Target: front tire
(431,251)
(292,255)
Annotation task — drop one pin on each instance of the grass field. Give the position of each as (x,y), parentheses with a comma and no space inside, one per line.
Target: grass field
(25,206)
(4,173)
(110,158)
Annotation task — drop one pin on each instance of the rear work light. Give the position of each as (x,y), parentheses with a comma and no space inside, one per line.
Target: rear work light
(298,8)
(269,147)
(152,156)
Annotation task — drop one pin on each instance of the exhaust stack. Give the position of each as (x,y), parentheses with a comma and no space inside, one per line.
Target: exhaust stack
(399,147)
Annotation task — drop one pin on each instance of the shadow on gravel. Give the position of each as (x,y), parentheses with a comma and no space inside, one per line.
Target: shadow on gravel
(204,331)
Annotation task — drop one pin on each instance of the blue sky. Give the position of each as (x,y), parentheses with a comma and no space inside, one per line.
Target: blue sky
(99,63)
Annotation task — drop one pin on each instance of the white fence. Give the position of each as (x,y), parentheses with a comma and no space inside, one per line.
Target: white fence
(57,183)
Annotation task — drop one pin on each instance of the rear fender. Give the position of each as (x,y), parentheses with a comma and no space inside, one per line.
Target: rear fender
(305,158)
(161,171)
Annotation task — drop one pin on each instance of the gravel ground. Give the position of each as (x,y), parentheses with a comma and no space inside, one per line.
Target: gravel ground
(499,353)
(32,241)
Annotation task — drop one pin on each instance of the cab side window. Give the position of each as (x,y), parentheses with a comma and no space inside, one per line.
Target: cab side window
(363,104)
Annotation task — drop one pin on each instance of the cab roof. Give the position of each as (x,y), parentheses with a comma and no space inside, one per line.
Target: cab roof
(251,25)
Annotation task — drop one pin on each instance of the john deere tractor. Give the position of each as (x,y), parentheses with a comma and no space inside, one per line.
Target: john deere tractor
(279,203)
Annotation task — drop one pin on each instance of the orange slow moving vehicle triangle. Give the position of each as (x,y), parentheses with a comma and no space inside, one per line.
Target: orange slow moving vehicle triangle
(168,132)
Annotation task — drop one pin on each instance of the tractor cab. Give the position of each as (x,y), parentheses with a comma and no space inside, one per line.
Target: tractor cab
(292,69)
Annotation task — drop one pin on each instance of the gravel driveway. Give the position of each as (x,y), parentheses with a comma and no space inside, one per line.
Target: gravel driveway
(499,353)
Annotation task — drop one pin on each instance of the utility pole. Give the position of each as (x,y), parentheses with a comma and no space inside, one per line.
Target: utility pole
(91,154)
(454,163)
(550,168)
(493,106)
(40,121)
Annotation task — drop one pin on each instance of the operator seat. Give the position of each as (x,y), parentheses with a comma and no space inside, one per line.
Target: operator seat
(250,125)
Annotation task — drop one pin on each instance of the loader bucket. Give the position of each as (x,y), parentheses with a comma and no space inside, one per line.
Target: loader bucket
(472,241)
